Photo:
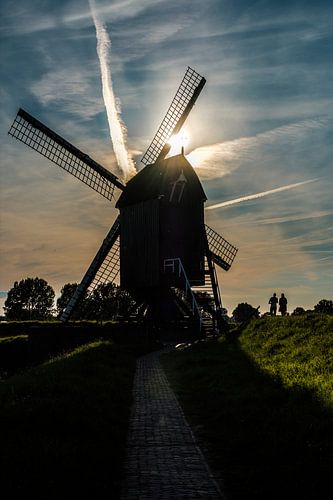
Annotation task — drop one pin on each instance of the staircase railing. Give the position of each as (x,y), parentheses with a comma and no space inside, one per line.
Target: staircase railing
(175,266)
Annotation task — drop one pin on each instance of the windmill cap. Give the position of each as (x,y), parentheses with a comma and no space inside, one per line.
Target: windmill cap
(155,180)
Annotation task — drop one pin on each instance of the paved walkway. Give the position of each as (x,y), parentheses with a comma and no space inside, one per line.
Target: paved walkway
(163,460)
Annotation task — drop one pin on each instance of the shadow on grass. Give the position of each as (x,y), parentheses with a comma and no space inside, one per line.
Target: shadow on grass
(63,425)
(264,441)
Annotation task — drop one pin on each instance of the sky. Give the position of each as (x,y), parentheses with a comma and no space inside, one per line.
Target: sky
(262,125)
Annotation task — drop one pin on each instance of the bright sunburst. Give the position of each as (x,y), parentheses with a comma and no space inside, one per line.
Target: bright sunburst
(178,141)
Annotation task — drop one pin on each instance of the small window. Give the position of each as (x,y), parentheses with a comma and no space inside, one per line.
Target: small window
(177,189)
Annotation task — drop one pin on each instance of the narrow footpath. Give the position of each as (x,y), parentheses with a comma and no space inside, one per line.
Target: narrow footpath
(163,460)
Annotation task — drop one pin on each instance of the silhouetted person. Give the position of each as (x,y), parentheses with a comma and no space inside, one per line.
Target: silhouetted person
(273,302)
(283,305)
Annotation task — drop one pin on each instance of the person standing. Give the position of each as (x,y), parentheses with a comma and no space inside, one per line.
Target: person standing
(273,302)
(283,305)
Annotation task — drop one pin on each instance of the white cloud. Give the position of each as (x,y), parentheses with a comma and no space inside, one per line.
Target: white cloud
(259,195)
(72,89)
(220,159)
(118,131)
(110,11)
(295,217)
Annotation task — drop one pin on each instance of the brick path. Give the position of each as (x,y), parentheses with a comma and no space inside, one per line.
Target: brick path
(163,460)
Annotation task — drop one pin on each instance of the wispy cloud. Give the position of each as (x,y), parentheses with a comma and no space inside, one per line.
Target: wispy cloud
(117,128)
(26,20)
(295,218)
(295,26)
(220,159)
(72,88)
(259,195)
(29,19)
(112,11)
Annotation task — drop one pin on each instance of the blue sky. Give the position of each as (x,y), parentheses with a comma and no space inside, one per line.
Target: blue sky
(263,120)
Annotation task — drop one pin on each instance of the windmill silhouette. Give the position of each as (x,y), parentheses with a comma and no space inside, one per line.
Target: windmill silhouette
(159,243)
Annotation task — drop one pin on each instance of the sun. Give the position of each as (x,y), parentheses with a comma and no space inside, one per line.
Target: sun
(178,142)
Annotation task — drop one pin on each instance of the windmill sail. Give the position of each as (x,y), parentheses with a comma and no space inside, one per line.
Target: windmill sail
(104,268)
(158,228)
(37,136)
(221,251)
(181,105)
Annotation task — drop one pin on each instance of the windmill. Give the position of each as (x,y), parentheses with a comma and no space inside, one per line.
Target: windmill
(159,243)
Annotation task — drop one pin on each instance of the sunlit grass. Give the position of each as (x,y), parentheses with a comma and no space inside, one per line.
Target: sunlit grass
(298,351)
(260,407)
(4,340)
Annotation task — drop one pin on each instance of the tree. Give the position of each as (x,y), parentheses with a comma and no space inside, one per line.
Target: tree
(66,293)
(324,306)
(125,302)
(299,311)
(102,303)
(105,302)
(31,298)
(108,301)
(245,312)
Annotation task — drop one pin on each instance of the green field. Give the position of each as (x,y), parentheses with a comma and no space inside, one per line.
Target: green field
(261,406)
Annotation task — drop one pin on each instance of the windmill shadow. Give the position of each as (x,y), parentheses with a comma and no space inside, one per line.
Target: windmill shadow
(266,441)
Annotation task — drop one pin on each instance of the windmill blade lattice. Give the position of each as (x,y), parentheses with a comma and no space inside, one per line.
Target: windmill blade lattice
(222,252)
(37,136)
(181,105)
(103,269)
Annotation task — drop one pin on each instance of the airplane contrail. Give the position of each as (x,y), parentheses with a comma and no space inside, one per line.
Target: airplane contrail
(116,126)
(259,195)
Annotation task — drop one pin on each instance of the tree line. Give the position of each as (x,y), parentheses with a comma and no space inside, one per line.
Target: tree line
(34,299)
(244,311)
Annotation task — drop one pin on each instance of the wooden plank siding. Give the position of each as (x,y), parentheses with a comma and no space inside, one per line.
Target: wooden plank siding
(139,245)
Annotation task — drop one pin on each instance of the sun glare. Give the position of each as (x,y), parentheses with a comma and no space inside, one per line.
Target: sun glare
(178,141)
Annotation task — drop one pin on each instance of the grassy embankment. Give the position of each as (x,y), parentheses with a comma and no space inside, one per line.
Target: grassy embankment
(261,406)
(24,344)
(63,424)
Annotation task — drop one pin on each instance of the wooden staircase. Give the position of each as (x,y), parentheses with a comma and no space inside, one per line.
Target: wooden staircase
(209,300)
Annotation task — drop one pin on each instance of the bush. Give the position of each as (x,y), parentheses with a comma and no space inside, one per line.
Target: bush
(299,311)
(324,306)
(245,312)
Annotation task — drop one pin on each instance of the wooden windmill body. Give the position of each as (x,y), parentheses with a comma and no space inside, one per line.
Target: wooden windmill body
(165,253)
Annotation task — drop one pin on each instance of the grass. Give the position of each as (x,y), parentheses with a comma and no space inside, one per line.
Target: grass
(13,354)
(26,344)
(296,351)
(260,407)
(63,424)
